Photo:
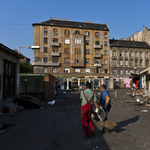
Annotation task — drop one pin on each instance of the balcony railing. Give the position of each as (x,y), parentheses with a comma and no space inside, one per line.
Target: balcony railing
(56,44)
(97,65)
(55,54)
(45,64)
(98,46)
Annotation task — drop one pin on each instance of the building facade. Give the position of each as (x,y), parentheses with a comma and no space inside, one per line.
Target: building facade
(128,57)
(71,49)
(9,75)
(143,35)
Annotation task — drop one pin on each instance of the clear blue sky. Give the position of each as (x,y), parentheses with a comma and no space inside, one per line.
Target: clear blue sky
(123,17)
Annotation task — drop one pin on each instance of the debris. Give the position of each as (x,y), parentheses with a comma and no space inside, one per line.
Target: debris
(42,107)
(64,92)
(51,103)
(66,105)
(57,113)
(144,111)
(130,101)
(96,146)
(147,105)
(138,100)
(71,105)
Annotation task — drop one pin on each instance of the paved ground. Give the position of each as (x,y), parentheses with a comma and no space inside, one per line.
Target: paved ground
(58,127)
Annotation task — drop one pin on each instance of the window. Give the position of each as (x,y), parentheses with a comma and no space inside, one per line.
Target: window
(55,31)
(146,55)
(136,54)
(105,34)
(77,60)
(141,62)
(131,54)
(131,62)
(105,52)
(147,63)
(105,70)
(45,30)
(126,54)
(9,76)
(66,31)
(55,39)
(105,43)
(121,71)
(45,39)
(136,63)
(87,33)
(87,60)
(77,41)
(77,70)
(114,62)
(55,50)
(87,51)
(126,71)
(114,53)
(77,32)
(67,60)
(114,71)
(97,61)
(105,61)
(77,51)
(45,70)
(67,70)
(126,62)
(97,43)
(97,70)
(66,50)
(45,49)
(97,34)
(131,71)
(87,42)
(55,59)
(67,41)
(45,59)
(141,54)
(121,54)
(136,72)
(55,70)
(87,70)
(121,63)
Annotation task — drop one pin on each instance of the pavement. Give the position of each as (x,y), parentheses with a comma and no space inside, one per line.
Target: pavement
(58,127)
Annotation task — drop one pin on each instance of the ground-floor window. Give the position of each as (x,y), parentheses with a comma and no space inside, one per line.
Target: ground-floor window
(9,70)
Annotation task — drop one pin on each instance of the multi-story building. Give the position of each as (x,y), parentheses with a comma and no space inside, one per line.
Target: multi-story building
(71,49)
(128,57)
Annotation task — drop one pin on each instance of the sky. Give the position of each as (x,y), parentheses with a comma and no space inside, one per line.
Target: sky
(123,17)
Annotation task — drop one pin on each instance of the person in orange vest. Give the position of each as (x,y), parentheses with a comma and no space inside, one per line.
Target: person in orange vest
(88,97)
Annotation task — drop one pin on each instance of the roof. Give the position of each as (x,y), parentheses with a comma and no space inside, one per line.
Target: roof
(5,48)
(82,25)
(20,53)
(128,44)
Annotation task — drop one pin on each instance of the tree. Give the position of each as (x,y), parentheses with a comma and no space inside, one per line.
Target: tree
(26,67)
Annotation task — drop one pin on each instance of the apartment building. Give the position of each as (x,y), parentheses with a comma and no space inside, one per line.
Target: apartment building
(128,57)
(70,49)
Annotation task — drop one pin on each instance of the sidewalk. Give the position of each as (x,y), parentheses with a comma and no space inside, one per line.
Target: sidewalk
(58,127)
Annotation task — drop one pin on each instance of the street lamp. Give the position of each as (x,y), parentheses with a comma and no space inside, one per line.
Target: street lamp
(29,47)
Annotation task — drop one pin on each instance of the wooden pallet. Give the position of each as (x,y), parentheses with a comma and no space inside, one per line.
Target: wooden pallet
(108,124)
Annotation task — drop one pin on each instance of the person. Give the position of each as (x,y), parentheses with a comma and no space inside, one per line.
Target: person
(105,102)
(88,97)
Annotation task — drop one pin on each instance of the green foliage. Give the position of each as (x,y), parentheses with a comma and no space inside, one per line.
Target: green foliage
(26,67)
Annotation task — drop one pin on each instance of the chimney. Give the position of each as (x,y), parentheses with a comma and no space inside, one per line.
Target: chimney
(63,19)
(50,18)
(68,19)
(89,22)
(122,39)
(127,39)
(119,39)
(55,18)
(104,23)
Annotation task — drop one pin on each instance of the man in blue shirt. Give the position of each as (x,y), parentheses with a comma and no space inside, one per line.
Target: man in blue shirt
(105,102)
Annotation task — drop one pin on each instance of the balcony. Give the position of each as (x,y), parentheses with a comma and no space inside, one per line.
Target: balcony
(57,54)
(97,55)
(97,65)
(56,44)
(57,64)
(97,46)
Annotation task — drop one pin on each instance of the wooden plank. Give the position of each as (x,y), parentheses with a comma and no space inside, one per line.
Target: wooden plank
(108,124)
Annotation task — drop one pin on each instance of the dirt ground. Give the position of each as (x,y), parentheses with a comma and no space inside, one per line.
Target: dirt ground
(58,127)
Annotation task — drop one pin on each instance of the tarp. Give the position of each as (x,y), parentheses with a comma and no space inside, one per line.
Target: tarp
(127,83)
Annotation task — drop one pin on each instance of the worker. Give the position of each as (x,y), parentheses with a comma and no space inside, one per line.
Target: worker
(105,102)
(88,97)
